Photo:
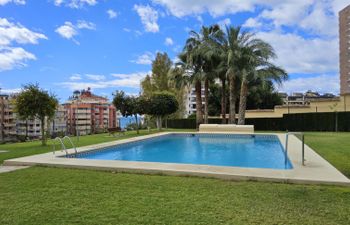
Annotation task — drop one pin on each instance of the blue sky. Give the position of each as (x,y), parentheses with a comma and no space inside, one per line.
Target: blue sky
(108,44)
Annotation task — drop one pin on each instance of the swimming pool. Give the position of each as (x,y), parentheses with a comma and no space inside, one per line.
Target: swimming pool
(256,151)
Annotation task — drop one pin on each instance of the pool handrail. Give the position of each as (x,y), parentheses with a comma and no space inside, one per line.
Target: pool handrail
(71,142)
(62,145)
(302,145)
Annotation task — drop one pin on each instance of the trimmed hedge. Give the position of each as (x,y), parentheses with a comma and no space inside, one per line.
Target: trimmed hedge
(291,122)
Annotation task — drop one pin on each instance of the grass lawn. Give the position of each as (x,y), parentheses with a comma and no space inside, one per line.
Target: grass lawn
(67,196)
(41,195)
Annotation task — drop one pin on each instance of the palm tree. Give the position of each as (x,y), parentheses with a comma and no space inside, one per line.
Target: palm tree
(188,72)
(234,37)
(198,64)
(210,50)
(254,64)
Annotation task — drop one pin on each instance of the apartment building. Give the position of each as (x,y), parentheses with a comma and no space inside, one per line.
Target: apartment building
(190,101)
(344,50)
(88,113)
(304,99)
(7,117)
(11,127)
(59,122)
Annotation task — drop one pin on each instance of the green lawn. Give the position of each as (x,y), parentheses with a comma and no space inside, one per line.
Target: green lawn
(66,196)
(41,195)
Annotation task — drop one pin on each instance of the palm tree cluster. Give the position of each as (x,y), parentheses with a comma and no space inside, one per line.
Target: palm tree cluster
(235,57)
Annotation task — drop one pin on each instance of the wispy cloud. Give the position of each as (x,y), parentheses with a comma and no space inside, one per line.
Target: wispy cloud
(321,83)
(75,3)
(75,77)
(16,33)
(144,59)
(149,17)
(13,34)
(82,24)
(168,41)
(95,77)
(10,91)
(120,80)
(17,2)
(111,13)
(69,30)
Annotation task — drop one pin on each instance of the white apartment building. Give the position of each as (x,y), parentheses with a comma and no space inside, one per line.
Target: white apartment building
(190,101)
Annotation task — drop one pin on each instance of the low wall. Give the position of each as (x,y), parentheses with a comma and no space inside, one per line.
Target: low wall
(329,121)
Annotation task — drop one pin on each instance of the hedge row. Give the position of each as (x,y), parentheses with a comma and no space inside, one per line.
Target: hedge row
(292,122)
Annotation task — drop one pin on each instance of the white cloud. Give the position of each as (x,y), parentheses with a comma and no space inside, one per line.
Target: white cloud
(111,13)
(82,24)
(120,80)
(10,91)
(13,57)
(316,17)
(95,77)
(128,80)
(10,32)
(319,17)
(75,3)
(75,77)
(301,55)
(17,2)
(168,41)
(68,30)
(144,59)
(149,17)
(325,24)
(180,8)
(252,23)
(200,19)
(287,12)
(321,83)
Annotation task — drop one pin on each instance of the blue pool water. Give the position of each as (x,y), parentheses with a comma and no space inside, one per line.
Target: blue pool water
(259,151)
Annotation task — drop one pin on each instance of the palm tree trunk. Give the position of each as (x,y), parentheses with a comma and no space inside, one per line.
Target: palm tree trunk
(206,96)
(137,124)
(243,102)
(159,122)
(223,100)
(26,129)
(199,114)
(232,115)
(43,136)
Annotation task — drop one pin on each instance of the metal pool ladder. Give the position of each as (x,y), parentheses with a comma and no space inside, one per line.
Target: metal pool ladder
(71,142)
(302,146)
(60,140)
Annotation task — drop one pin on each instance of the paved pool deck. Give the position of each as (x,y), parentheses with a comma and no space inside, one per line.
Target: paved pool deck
(6,169)
(316,170)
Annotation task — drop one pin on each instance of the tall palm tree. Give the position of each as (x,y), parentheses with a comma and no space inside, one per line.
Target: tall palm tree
(234,37)
(254,63)
(189,72)
(209,49)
